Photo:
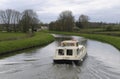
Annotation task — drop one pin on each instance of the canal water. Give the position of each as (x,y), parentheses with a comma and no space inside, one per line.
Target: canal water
(102,62)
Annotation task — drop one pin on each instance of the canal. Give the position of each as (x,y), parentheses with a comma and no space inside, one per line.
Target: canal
(102,62)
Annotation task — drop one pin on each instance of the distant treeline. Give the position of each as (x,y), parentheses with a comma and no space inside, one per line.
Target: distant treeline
(66,22)
(12,20)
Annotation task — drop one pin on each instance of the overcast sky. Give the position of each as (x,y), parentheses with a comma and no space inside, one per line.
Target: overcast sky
(49,10)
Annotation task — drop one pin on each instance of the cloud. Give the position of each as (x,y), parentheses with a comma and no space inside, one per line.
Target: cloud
(48,10)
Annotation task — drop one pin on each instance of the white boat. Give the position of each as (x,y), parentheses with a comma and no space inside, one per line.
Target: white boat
(68,51)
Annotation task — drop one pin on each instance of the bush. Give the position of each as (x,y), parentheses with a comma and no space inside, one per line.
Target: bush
(109,28)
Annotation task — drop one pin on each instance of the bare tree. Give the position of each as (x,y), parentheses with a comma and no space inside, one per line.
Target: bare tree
(66,21)
(16,19)
(29,20)
(9,18)
(83,21)
(2,17)
(34,20)
(34,24)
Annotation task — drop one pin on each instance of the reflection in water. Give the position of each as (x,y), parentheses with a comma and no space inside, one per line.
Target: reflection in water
(61,38)
(102,62)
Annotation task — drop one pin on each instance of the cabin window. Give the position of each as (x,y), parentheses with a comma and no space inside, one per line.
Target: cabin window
(60,52)
(67,44)
(69,52)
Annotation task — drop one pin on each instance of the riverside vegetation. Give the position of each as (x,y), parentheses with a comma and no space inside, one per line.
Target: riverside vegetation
(39,39)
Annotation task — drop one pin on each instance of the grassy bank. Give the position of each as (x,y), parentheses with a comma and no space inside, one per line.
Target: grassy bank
(39,39)
(115,41)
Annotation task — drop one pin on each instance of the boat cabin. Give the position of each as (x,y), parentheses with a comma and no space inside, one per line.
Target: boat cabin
(69,50)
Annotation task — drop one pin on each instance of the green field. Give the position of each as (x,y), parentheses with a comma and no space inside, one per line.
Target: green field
(4,36)
(115,41)
(38,39)
(111,33)
(99,31)
(91,30)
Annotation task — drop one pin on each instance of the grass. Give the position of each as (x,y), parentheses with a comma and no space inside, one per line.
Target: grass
(4,36)
(115,41)
(112,33)
(99,31)
(39,39)
(91,30)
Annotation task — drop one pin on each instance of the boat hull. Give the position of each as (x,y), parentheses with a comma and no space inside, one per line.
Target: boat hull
(66,61)
(62,61)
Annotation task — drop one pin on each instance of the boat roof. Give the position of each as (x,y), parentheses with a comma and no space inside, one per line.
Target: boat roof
(69,41)
(69,47)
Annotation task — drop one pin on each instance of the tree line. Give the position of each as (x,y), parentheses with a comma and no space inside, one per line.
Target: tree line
(66,22)
(13,20)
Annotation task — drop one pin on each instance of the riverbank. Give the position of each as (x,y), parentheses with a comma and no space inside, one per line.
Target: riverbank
(39,39)
(115,41)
